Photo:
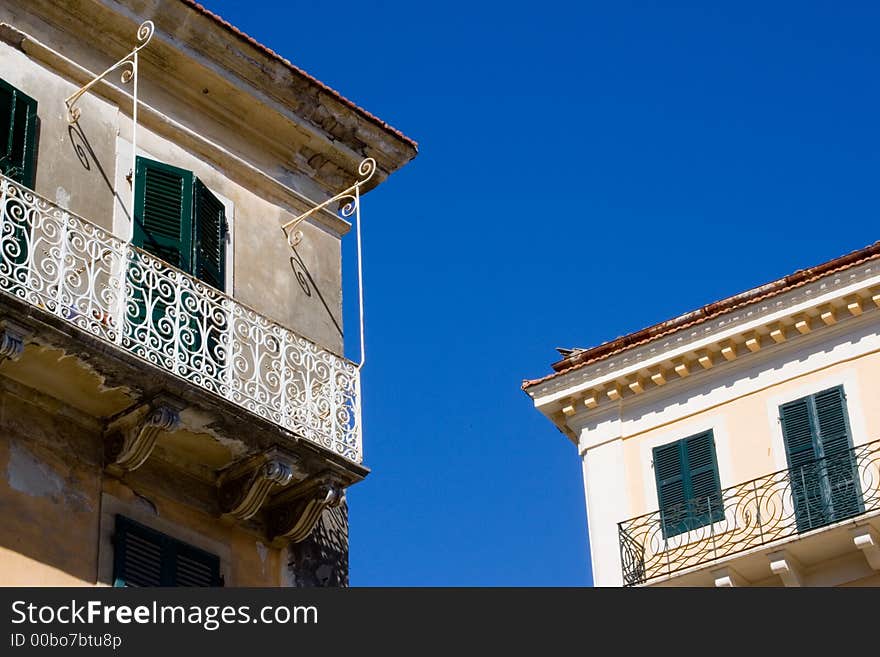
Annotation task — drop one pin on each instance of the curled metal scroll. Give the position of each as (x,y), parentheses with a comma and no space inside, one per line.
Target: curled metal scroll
(144,34)
(349,198)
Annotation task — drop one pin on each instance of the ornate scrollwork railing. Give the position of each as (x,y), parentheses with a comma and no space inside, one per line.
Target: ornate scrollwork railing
(75,270)
(786,503)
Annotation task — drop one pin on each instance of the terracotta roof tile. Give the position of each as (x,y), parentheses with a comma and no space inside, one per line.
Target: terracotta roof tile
(271,53)
(584,357)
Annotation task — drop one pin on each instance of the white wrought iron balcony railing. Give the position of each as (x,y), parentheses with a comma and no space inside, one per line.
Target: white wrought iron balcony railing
(75,270)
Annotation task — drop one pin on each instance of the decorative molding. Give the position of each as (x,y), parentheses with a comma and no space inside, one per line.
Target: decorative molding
(716,356)
(294,513)
(796,310)
(12,339)
(130,440)
(244,487)
(787,567)
(867,539)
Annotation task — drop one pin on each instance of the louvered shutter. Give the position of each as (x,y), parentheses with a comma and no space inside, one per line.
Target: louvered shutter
(163,212)
(18,139)
(802,450)
(137,557)
(670,488)
(194,567)
(145,557)
(703,489)
(838,460)
(210,237)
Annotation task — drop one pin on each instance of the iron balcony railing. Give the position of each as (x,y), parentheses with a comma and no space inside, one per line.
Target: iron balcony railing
(786,503)
(73,269)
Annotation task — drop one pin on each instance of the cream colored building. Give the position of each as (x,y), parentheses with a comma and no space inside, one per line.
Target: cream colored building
(175,404)
(737,444)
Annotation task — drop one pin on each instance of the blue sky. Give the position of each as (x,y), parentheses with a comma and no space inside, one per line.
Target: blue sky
(585,169)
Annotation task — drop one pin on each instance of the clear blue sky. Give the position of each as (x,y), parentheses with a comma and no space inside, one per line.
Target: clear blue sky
(586,169)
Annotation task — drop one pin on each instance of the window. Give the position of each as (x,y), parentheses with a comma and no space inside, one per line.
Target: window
(180,221)
(822,468)
(688,485)
(18,134)
(145,557)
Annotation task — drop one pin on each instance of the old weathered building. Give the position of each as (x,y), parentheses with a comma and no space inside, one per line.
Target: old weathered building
(738,443)
(175,406)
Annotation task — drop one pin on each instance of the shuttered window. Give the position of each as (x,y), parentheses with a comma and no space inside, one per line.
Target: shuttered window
(18,134)
(688,486)
(822,467)
(145,557)
(179,220)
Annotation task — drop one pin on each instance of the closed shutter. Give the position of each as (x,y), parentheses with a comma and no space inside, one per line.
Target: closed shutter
(688,485)
(705,487)
(838,458)
(210,237)
(822,467)
(802,450)
(163,212)
(18,134)
(145,557)
(670,488)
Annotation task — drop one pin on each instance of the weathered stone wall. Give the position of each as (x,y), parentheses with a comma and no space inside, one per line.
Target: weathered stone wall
(58,507)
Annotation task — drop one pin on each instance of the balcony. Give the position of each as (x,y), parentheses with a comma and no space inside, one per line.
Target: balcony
(69,268)
(785,504)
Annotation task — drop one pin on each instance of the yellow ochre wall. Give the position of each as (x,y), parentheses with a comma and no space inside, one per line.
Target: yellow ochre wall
(749,437)
(53,493)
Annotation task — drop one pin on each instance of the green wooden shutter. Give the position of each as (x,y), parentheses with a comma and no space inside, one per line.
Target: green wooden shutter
(137,555)
(163,222)
(688,485)
(839,462)
(822,467)
(18,134)
(703,483)
(671,488)
(145,557)
(194,567)
(210,237)
(802,450)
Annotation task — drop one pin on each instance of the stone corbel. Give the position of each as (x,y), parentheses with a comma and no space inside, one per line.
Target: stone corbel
(789,570)
(244,487)
(12,338)
(728,578)
(131,439)
(867,539)
(294,513)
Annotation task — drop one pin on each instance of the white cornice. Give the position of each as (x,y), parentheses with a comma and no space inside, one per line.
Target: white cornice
(568,390)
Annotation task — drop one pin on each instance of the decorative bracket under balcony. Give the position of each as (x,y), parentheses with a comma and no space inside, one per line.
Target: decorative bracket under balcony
(245,486)
(295,512)
(130,439)
(12,338)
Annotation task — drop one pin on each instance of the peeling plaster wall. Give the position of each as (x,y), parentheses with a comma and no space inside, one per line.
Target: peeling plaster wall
(51,490)
(49,498)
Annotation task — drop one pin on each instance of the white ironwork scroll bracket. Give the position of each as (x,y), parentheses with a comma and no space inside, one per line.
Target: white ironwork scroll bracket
(129,62)
(350,197)
(130,74)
